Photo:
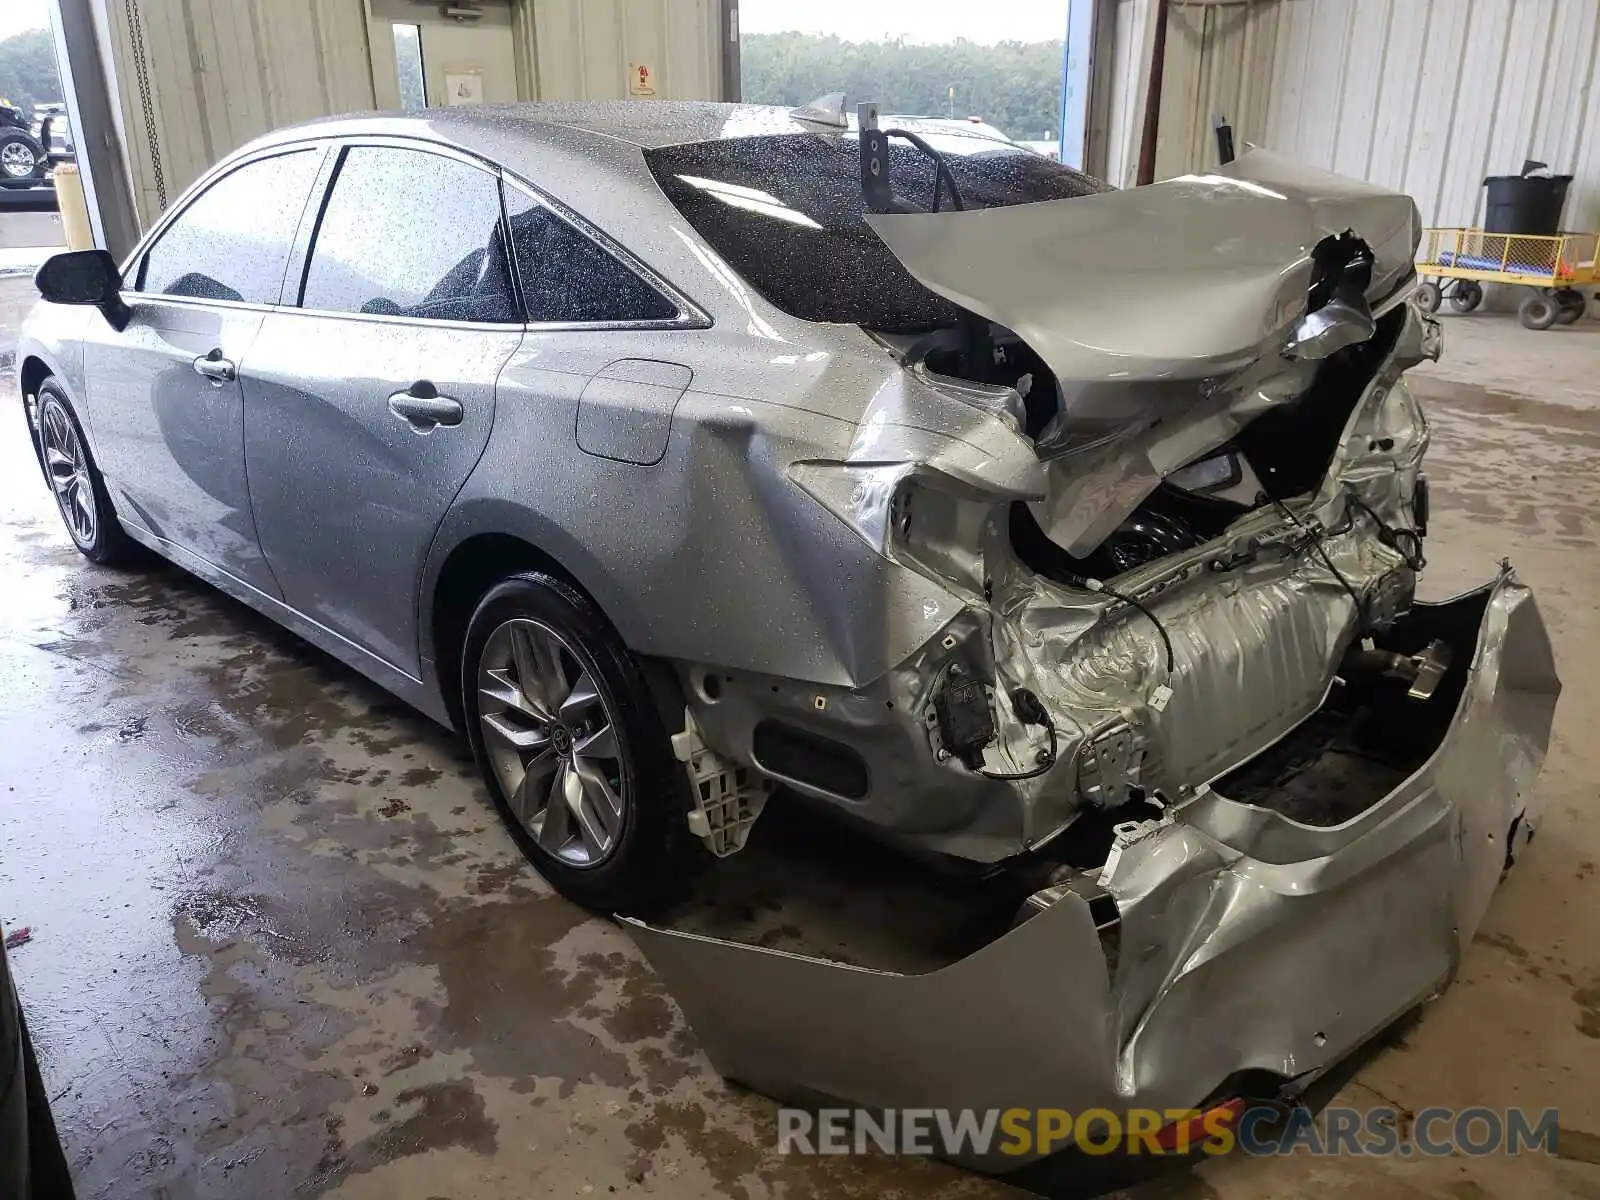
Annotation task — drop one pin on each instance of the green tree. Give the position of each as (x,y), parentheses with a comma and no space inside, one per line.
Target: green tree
(28,73)
(1015,86)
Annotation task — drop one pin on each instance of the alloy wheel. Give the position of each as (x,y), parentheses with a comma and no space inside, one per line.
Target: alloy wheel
(17,160)
(551,742)
(68,466)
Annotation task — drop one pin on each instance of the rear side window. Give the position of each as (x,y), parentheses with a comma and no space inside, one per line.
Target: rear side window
(567,276)
(406,233)
(233,242)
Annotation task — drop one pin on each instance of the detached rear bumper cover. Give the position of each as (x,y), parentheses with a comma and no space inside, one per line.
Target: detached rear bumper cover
(1247,941)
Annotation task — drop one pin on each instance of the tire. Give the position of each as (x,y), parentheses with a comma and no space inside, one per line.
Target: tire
(1428,297)
(1538,311)
(621,848)
(21,157)
(1466,295)
(77,484)
(1572,305)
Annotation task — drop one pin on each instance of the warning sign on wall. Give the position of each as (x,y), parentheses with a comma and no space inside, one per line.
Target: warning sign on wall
(641,79)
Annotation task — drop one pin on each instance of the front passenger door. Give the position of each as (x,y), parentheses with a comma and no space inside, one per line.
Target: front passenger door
(368,406)
(165,407)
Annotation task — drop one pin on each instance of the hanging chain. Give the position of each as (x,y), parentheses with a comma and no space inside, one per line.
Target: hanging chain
(141,75)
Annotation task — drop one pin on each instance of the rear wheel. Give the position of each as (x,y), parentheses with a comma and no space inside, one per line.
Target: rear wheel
(1466,295)
(1573,305)
(80,491)
(1538,311)
(567,737)
(1428,297)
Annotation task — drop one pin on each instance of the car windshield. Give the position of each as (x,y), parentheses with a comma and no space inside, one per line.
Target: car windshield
(785,211)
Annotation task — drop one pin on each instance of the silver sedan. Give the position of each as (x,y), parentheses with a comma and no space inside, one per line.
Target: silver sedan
(674,453)
(678,452)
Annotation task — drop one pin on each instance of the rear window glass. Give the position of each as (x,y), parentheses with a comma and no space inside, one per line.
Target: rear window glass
(785,211)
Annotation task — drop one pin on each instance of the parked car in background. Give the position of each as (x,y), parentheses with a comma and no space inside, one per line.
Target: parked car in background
(22,158)
(52,127)
(32,1163)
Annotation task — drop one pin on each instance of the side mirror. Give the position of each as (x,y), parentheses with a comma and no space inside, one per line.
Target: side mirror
(85,277)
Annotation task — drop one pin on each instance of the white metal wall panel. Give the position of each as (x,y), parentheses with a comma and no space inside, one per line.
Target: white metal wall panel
(1360,87)
(1426,96)
(1429,96)
(215,73)
(583,47)
(1217,57)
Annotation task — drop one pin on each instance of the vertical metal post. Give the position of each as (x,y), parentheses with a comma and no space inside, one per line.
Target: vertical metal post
(90,95)
(728,25)
(1077,75)
(1152,100)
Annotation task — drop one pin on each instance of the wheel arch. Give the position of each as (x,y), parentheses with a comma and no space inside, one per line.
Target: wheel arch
(480,545)
(32,372)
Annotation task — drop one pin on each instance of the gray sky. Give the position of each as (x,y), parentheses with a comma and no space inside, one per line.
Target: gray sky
(914,20)
(17,15)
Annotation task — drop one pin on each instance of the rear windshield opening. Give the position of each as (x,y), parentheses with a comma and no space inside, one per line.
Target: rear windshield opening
(785,212)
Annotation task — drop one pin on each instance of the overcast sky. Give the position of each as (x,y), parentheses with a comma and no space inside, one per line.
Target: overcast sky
(914,20)
(17,15)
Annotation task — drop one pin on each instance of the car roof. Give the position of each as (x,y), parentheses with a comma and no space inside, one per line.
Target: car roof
(644,124)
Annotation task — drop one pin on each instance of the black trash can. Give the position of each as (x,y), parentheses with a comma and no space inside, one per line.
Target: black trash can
(1525,203)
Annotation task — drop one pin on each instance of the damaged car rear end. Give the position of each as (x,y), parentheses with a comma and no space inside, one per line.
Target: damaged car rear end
(1147,465)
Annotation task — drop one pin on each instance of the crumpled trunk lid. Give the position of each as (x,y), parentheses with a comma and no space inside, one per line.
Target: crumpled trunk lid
(1169,314)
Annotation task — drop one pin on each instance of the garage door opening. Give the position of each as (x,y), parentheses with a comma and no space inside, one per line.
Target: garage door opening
(36,139)
(997,67)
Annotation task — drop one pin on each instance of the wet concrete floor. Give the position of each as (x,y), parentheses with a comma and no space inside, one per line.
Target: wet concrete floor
(283,949)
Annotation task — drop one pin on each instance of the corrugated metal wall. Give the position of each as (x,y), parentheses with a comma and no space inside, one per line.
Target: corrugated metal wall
(583,47)
(1424,96)
(198,78)
(1429,96)
(1219,59)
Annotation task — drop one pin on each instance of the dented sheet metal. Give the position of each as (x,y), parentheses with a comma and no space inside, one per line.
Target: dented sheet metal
(1248,941)
(1171,315)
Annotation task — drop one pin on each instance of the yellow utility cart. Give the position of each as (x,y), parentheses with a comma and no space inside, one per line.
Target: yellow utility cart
(1454,264)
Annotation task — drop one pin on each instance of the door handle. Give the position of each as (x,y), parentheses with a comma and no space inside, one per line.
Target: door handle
(421,407)
(216,368)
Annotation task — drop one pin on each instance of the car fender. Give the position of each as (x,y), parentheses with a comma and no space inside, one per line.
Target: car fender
(473,516)
(62,356)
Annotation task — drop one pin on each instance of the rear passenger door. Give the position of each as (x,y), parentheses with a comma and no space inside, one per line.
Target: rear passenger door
(370,401)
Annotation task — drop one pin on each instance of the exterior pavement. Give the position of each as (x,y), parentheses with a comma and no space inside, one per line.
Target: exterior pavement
(283,949)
